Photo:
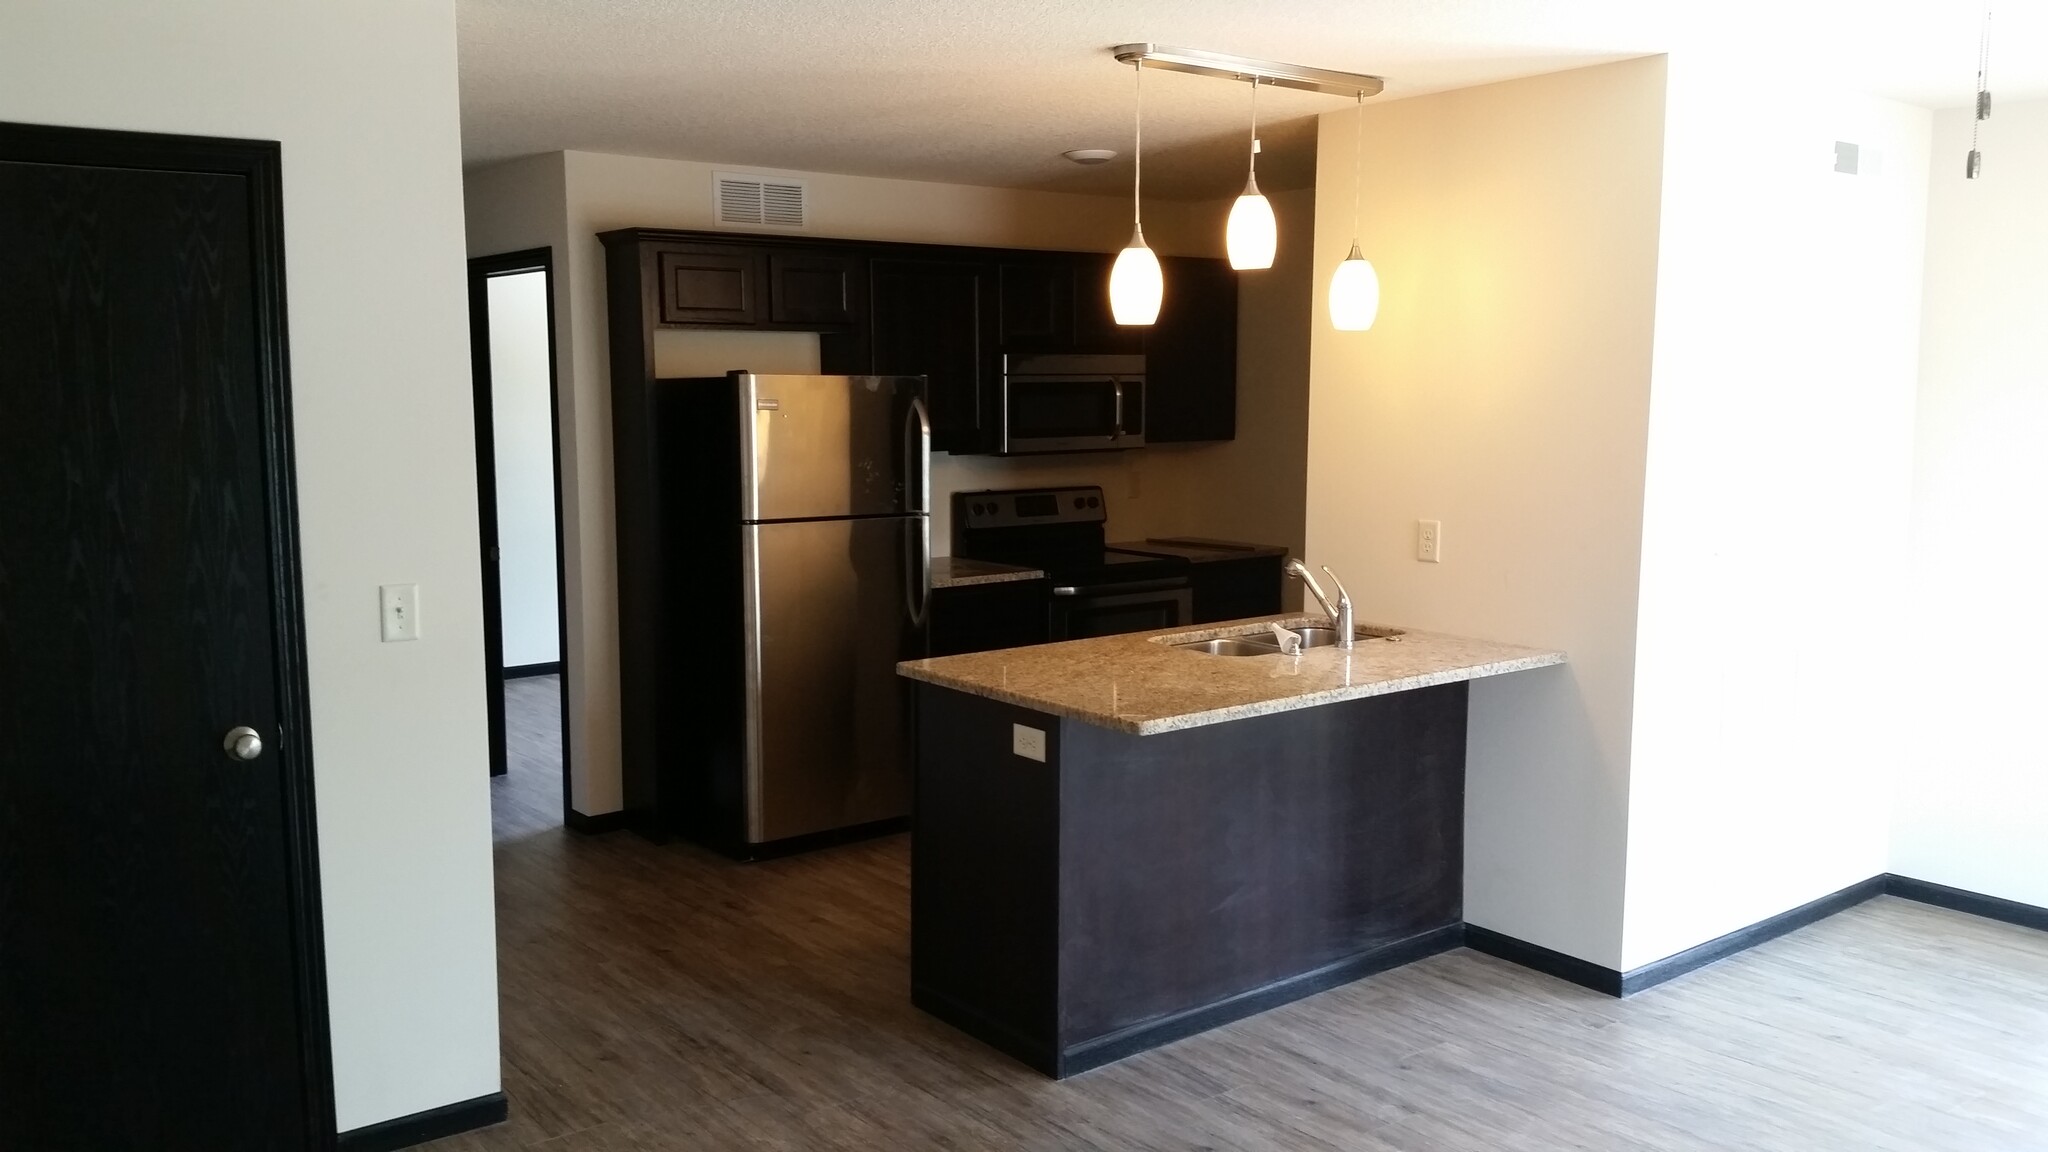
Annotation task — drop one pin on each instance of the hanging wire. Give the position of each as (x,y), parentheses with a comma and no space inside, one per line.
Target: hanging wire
(1138,148)
(1255,129)
(1975,163)
(1357,166)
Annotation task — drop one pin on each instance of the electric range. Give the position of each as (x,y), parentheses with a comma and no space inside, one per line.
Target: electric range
(1096,590)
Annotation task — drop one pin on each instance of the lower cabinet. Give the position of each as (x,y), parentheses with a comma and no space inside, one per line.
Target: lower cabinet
(982,617)
(1235,589)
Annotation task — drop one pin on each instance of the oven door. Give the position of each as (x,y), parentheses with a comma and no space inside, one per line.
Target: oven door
(1110,609)
(1081,413)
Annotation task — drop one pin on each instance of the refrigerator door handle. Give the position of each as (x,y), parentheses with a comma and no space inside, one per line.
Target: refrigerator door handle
(917,447)
(917,477)
(917,569)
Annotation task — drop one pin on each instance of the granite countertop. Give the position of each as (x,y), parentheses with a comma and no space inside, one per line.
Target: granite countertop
(960,572)
(1132,683)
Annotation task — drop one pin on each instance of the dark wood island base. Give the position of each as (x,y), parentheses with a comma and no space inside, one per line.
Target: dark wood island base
(1132,890)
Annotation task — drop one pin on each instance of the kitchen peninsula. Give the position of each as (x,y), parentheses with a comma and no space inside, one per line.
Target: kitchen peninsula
(1127,839)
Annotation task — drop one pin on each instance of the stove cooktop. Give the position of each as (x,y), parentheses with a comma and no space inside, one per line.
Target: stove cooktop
(1059,530)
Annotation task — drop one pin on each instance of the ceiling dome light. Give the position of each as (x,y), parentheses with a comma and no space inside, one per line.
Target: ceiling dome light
(1136,285)
(1252,234)
(1090,156)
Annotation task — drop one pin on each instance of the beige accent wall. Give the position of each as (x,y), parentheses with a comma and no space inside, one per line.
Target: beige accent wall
(1505,391)
(362,97)
(1246,490)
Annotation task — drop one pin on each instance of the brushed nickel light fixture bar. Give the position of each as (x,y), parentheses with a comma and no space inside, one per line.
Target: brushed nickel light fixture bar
(1298,76)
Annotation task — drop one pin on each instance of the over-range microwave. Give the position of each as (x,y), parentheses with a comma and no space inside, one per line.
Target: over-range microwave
(1069,402)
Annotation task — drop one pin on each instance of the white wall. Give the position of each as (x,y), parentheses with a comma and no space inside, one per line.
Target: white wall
(1504,391)
(363,97)
(1770,629)
(1972,800)
(522,427)
(515,205)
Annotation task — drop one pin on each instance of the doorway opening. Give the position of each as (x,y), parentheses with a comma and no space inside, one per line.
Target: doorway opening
(519,504)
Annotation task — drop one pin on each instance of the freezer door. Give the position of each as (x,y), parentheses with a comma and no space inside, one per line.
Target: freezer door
(820,446)
(831,607)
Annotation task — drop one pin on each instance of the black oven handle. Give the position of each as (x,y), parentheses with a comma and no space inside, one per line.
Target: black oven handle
(1118,386)
(1066,590)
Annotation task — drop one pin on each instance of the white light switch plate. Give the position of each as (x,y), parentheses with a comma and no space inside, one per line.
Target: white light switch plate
(1028,742)
(1429,541)
(400,605)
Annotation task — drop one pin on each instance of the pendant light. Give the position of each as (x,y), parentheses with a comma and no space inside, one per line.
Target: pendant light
(1355,289)
(1252,233)
(1975,163)
(1135,282)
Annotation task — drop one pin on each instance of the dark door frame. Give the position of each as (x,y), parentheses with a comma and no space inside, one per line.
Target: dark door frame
(258,164)
(481,270)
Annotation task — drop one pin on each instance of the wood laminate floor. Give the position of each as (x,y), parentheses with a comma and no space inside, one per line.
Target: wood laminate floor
(661,998)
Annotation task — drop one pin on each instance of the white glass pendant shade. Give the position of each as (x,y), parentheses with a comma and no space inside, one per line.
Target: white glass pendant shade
(1354,293)
(1252,233)
(1135,283)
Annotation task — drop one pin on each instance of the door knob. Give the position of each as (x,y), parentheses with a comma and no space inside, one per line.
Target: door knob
(242,743)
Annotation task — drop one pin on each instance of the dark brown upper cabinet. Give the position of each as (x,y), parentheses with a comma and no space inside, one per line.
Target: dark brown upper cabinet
(1191,354)
(715,287)
(937,319)
(1038,305)
(816,288)
(950,314)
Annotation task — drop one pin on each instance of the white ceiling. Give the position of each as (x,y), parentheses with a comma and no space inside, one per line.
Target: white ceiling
(992,91)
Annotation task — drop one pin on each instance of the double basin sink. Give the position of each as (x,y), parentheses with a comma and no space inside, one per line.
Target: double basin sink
(1266,644)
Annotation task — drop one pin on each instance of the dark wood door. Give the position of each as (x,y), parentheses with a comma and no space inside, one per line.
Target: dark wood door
(159,981)
(936,319)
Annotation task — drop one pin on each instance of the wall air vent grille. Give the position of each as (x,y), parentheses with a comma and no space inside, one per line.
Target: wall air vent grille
(760,201)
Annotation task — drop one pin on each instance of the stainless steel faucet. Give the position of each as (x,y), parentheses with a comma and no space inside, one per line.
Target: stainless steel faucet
(1340,616)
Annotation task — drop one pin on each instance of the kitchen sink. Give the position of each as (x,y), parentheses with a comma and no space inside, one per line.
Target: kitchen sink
(1231,646)
(1327,637)
(1263,643)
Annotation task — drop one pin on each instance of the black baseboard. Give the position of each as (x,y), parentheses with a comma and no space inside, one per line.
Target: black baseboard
(1151,1034)
(1963,900)
(596,825)
(1742,939)
(1564,966)
(1034,1053)
(1608,981)
(420,1127)
(519,671)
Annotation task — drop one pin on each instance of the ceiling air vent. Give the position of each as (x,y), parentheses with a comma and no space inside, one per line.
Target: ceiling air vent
(759,201)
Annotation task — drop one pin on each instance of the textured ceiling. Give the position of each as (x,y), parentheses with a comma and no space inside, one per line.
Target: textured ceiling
(992,91)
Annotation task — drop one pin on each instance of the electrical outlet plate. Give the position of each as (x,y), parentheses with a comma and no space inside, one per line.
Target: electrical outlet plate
(1028,742)
(1429,541)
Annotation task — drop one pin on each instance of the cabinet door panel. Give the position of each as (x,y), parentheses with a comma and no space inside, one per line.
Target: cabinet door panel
(936,319)
(1191,354)
(813,287)
(1037,306)
(709,287)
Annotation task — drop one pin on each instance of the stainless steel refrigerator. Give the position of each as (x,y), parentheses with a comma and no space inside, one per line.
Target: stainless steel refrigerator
(826,529)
